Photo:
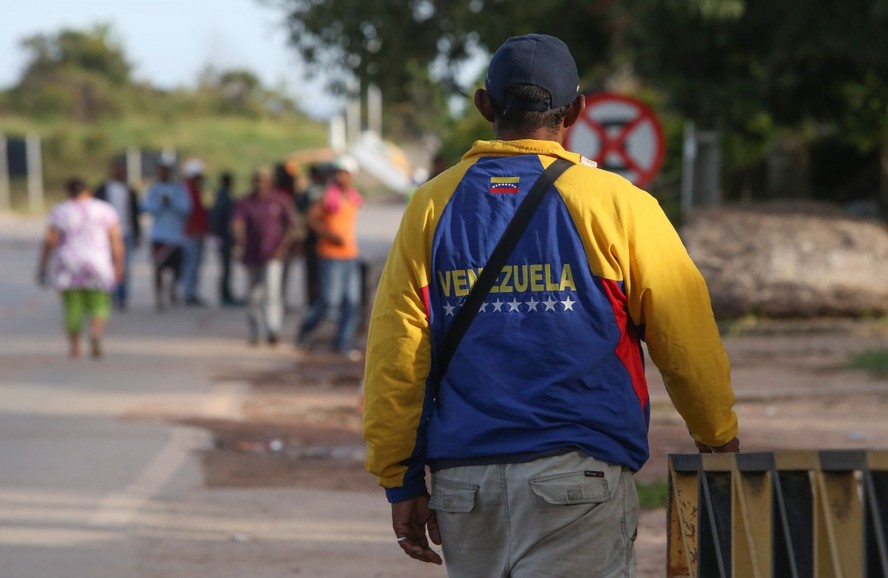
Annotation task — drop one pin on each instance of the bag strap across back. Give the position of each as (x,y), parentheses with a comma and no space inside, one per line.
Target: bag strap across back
(496,262)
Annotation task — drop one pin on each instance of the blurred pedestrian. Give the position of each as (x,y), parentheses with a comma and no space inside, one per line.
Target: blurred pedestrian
(220,226)
(125,201)
(333,220)
(85,243)
(169,204)
(285,186)
(196,228)
(318,175)
(439,165)
(262,226)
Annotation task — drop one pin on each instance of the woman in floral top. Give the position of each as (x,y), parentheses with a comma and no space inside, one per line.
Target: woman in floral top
(86,245)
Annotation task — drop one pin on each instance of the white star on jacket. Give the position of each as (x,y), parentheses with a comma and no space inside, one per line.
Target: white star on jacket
(498,305)
(550,304)
(532,304)
(513,304)
(568,303)
(448,309)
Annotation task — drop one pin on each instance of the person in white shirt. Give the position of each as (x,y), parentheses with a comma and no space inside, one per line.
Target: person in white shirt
(125,201)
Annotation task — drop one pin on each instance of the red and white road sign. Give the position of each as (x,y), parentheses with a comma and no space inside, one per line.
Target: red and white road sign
(621,134)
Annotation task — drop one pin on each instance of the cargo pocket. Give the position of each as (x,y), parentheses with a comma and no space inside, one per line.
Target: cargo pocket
(578,487)
(452,497)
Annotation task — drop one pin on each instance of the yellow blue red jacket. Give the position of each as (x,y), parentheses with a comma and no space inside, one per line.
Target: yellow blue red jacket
(553,360)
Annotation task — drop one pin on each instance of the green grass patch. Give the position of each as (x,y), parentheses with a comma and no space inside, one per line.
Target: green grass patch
(228,143)
(652,495)
(875,361)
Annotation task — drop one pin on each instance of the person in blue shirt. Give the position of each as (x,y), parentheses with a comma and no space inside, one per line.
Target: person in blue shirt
(169,205)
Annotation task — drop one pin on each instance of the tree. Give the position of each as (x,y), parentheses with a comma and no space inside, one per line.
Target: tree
(72,73)
(96,50)
(412,49)
(754,67)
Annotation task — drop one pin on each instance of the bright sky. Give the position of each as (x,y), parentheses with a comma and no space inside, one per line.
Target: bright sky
(170,41)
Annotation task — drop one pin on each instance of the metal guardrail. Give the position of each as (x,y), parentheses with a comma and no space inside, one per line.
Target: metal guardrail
(787,514)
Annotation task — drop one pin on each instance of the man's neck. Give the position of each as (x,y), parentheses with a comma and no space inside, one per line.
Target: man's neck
(507,133)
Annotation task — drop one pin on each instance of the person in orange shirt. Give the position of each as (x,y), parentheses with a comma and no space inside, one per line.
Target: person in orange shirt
(332,219)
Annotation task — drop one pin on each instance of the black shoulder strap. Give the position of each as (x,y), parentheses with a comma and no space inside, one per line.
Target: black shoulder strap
(496,262)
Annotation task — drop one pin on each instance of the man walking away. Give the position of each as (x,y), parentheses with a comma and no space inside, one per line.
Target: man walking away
(317,175)
(263,226)
(220,227)
(285,186)
(195,230)
(126,202)
(169,205)
(533,414)
(333,219)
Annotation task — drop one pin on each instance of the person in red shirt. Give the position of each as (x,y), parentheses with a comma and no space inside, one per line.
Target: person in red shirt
(333,218)
(263,234)
(196,228)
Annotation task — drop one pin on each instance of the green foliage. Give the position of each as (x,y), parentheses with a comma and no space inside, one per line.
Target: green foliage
(461,133)
(652,495)
(96,50)
(754,70)
(236,144)
(73,74)
(412,49)
(239,92)
(77,94)
(875,361)
(391,43)
(382,41)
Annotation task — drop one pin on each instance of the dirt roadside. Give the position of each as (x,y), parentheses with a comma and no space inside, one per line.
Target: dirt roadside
(300,425)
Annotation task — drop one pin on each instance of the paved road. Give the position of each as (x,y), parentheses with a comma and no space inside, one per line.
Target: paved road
(89,488)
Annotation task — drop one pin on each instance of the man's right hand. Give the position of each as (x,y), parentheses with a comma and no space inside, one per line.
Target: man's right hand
(410,519)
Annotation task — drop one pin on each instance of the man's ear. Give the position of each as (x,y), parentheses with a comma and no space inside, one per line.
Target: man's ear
(484,106)
(575,110)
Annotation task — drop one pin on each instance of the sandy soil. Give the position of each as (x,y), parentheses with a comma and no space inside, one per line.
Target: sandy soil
(794,386)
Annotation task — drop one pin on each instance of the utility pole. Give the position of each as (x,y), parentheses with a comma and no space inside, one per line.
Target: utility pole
(35,173)
(374,109)
(5,199)
(134,166)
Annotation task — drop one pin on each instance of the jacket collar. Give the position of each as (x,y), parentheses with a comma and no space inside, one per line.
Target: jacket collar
(487,148)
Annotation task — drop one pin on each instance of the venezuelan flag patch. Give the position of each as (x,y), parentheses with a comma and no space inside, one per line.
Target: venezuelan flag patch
(504,185)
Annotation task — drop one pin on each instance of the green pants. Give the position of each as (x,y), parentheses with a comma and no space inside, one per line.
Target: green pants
(82,302)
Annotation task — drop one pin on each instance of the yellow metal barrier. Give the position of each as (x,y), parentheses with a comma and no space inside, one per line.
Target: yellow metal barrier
(788,514)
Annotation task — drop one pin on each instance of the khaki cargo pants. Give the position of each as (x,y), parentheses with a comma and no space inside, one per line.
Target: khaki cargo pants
(565,516)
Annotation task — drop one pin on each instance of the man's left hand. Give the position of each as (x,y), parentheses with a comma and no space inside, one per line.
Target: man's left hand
(731,447)
(410,519)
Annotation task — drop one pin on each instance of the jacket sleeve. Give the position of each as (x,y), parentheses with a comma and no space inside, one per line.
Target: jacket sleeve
(668,298)
(397,401)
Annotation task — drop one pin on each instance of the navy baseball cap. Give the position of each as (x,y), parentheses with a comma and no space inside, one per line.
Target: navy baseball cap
(537,59)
